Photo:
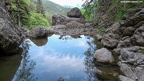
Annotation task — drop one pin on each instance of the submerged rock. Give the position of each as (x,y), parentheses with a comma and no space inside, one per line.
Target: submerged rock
(10,36)
(103,55)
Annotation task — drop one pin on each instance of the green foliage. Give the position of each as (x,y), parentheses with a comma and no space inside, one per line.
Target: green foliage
(121,13)
(141,51)
(101,30)
(24,14)
(37,19)
(90,8)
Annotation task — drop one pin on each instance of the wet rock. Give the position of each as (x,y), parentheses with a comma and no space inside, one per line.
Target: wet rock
(40,32)
(10,35)
(103,55)
(123,78)
(112,36)
(74,12)
(39,41)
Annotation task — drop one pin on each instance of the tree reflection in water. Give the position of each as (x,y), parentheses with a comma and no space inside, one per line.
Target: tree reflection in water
(90,68)
(24,72)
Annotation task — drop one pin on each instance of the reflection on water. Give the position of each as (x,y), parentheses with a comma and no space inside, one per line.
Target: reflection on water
(26,66)
(39,41)
(62,56)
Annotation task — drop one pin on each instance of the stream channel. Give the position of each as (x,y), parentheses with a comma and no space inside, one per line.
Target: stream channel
(55,58)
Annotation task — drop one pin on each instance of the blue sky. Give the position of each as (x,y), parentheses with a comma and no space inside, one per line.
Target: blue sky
(73,3)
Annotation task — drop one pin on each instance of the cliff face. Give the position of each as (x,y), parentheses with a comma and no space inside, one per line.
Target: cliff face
(10,35)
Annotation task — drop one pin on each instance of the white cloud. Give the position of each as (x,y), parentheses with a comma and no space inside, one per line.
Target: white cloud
(74,3)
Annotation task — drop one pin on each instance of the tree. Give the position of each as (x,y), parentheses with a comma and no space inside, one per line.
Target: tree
(20,11)
(40,8)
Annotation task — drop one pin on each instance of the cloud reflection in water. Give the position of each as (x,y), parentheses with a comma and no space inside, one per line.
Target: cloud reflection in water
(60,58)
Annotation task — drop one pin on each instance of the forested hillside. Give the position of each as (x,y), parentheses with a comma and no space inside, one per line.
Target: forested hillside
(31,13)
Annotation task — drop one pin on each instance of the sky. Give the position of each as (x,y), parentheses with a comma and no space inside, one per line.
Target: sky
(73,3)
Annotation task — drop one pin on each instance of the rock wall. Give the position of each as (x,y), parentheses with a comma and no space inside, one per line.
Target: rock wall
(10,36)
(126,38)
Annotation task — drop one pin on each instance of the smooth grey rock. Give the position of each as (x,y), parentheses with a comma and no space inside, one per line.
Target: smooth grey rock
(103,55)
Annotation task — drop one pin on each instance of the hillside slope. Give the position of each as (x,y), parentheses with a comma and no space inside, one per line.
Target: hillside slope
(52,7)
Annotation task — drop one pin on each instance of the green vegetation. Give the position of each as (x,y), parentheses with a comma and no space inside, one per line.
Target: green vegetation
(141,51)
(27,14)
(37,19)
(51,8)
(101,30)
(89,9)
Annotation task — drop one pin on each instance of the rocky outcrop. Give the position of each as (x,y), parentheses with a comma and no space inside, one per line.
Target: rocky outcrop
(40,32)
(103,55)
(112,36)
(10,36)
(127,38)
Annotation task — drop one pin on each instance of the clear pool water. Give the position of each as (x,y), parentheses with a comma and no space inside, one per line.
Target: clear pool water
(57,57)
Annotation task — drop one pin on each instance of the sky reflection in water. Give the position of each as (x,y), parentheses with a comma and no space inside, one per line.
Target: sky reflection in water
(58,58)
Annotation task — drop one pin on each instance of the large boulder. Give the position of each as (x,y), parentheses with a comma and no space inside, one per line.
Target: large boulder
(10,36)
(74,12)
(40,32)
(103,55)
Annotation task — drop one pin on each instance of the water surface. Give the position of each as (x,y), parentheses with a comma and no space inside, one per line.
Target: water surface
(57,56)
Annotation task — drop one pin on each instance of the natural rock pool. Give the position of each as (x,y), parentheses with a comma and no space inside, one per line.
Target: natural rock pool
(51,59)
